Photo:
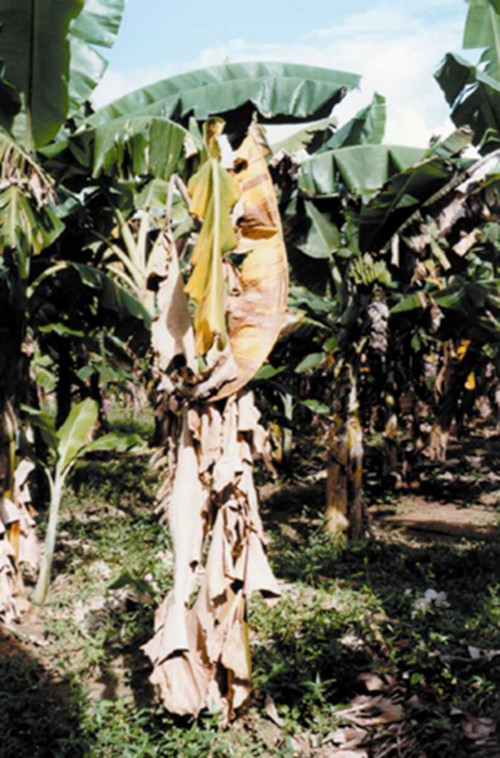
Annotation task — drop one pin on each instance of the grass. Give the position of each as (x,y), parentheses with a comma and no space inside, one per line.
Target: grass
(79,686)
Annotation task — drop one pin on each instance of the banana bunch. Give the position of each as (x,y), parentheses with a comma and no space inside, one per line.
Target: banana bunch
(366,272)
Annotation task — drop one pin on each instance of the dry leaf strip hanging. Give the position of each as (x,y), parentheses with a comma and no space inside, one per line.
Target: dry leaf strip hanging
(200,650)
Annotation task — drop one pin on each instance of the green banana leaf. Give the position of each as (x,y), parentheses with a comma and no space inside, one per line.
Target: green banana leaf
(37,41)
(61,330)
(311,138)
(362,169)
(401,196)
(453,145)
(323,238)
(113,442)
(97,25)
(407,303)
(45,424)
(35,48)
(128,148)
(469,305)
(313,360)
(141,146)
(73,434)
(280,92)
(482,29)
(474,98)
(110,295)
(25,230)
(28,218)
(367,127)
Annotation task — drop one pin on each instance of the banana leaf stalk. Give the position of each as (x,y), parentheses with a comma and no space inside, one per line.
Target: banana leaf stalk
(345,510)
(42,586)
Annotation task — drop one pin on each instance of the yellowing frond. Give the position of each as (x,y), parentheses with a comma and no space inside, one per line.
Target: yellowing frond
(213,196)
(256,315)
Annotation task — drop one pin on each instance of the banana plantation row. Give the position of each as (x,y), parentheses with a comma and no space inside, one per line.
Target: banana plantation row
(162,242)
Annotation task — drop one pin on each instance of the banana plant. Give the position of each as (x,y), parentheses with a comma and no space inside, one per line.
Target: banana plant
(357,213)
(65,446)
(211,335)
(89,326)
(473,90)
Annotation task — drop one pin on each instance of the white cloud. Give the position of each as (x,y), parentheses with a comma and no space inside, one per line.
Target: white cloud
(395,49)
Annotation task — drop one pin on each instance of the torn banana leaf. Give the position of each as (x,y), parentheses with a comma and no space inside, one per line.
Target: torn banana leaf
(256,314)
(172,332)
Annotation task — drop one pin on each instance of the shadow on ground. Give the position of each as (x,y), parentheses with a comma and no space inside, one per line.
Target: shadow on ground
(40,716)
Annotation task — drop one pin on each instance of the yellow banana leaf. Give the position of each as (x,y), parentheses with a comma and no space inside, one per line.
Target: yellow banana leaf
(256,315)
(213,196)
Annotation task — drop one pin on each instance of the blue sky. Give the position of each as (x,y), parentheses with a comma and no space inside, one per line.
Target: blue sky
(394,45)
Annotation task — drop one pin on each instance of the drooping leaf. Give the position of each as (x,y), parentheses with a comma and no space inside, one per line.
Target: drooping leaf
(280,92)
(474,98)
(401,195)
(73,434)
(213,195)
(28,220)
(256,314)
(367,127)
(364,169)
(200,628)
(131,147)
